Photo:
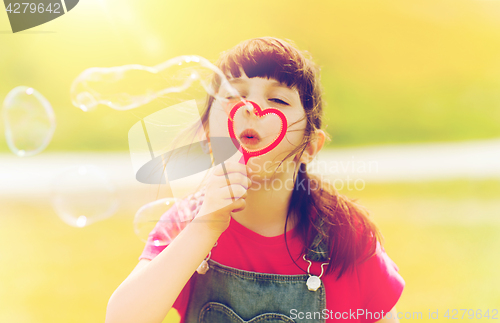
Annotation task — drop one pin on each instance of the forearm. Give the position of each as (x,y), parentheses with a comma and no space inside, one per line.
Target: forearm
(148,295)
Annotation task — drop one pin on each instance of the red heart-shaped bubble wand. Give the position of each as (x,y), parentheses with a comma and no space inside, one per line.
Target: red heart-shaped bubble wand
(259,113)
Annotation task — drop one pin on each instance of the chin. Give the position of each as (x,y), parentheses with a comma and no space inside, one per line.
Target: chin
(265,169)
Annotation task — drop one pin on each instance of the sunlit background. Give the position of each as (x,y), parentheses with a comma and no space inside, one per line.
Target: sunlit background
(411,85)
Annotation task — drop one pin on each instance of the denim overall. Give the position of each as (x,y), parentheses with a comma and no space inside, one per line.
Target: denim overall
(228,295)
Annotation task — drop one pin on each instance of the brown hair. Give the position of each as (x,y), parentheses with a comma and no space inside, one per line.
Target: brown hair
(326,220)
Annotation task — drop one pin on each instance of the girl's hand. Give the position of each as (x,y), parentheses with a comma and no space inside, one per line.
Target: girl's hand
(225,193)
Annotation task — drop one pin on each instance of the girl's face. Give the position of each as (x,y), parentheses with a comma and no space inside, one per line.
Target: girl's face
(267,93)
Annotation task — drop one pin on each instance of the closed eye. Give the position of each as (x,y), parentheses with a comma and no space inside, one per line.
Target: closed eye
(234,97)
(279,101)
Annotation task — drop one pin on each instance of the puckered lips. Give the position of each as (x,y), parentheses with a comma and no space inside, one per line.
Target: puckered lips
(249,137)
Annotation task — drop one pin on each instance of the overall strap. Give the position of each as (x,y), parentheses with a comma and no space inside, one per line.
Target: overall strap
(318,250)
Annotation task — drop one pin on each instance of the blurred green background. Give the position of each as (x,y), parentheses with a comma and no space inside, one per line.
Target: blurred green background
(393,72)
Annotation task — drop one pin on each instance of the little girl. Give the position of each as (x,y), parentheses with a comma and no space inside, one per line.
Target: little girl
(296,252)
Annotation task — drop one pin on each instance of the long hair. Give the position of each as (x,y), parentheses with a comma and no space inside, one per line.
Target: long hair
(327,220)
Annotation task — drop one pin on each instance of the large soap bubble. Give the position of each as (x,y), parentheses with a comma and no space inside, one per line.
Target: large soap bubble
(178,89)
(172,137)
(82,195)
(131,86)
(29,121)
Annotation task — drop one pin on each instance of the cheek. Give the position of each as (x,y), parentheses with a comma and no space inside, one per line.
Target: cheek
(272,159)
(295,134)
(293,138)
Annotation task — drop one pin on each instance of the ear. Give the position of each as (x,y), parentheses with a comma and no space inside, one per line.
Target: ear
(313,147)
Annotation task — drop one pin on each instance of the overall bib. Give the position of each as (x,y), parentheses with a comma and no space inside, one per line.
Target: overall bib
(228,295)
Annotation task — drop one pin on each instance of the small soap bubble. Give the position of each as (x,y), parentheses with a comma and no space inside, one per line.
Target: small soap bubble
(162,220)
(82,195)
(29,121)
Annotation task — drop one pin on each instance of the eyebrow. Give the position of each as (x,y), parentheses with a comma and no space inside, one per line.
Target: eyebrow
(236,81)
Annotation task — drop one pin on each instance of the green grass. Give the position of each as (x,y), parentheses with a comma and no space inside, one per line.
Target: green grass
(52,272)
(442,235)
(444,238)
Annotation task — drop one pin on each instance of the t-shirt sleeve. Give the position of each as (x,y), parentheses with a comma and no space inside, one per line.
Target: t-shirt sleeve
(161,235)
(380,284)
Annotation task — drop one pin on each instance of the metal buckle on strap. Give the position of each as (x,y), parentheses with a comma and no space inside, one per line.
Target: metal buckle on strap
(314,282)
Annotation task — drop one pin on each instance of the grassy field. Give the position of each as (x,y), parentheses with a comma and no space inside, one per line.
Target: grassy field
(443,236)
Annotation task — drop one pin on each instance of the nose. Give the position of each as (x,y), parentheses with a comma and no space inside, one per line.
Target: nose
(249,111)
(257,99)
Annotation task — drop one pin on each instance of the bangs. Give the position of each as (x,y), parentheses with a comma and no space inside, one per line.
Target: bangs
(266,59)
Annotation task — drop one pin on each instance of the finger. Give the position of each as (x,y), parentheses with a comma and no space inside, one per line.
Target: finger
(234,179)
(233,192)
(230,167)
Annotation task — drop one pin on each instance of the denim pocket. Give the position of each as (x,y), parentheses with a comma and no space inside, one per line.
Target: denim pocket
(214,312)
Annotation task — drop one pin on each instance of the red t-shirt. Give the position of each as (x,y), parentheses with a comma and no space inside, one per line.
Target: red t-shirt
(358,296)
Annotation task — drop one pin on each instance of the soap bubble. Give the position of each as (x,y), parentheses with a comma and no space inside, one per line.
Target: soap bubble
(131,86)
(160,221)
(29,121)
(82,195)
(179,88)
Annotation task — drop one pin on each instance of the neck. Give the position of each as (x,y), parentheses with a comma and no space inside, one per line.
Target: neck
(266,210)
